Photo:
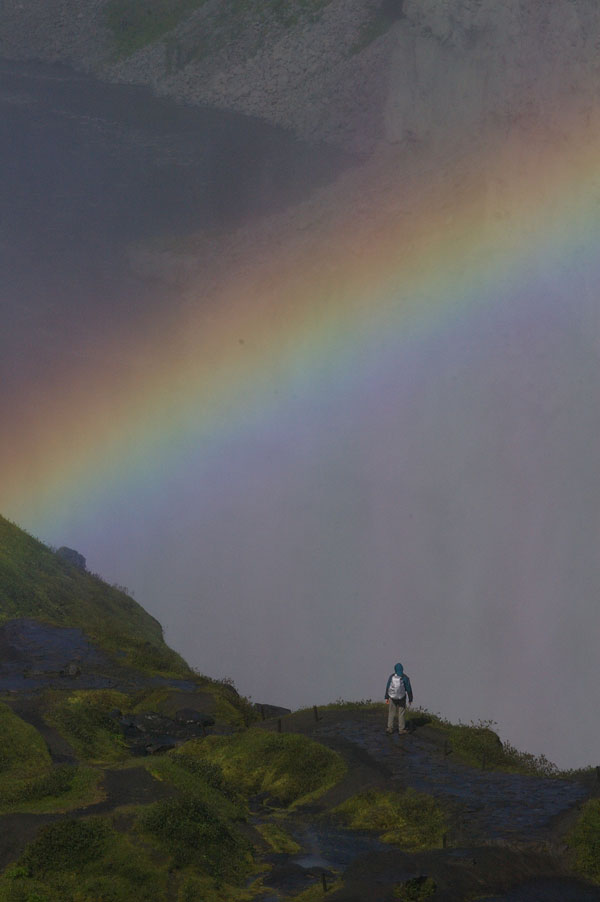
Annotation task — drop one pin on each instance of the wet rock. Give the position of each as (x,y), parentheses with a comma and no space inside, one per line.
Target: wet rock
(161,744)
(71,670)
(149,732)
(190,715)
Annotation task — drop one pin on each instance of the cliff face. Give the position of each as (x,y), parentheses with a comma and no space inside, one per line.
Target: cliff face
(348,72)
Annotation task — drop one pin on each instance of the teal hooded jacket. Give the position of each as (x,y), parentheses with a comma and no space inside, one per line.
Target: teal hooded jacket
(399,671)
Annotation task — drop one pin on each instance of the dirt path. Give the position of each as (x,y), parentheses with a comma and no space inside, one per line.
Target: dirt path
(489,806)
(126,786)
(505,843)
(27,707)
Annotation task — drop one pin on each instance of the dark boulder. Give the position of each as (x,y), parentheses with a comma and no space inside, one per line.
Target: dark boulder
(190,715)
(71,670)
(72,557)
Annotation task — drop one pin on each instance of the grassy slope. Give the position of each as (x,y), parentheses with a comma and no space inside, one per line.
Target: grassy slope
(198,841)
(35,583)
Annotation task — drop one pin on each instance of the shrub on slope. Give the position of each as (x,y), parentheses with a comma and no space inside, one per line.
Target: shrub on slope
(291,768)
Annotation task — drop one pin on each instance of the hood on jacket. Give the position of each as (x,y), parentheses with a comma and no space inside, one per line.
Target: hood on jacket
(398,669)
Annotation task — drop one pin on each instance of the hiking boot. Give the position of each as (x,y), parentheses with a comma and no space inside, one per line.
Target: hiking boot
(389,732)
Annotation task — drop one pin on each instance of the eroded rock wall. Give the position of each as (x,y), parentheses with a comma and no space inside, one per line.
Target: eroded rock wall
(357,73)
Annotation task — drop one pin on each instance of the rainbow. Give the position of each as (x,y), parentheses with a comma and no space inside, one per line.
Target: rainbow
(395,259)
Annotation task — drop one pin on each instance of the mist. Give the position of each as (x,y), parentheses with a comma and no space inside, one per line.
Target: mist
(440,506)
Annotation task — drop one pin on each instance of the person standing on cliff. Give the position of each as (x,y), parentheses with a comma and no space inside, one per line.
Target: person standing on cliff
(396,692)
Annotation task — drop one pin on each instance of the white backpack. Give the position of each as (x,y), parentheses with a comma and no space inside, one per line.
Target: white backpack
(397,688)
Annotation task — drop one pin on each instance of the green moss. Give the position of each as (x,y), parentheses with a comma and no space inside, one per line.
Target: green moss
(29,782)
(291,768)
(23,752)
(85,861)
(411,820)
(82,718)
(417,889)
(192,776)
(63,788)
(278,839)
(195,833)
(584,841)
(66,845)
(195,887)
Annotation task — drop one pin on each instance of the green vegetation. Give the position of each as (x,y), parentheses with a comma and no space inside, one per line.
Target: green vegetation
(60,789)
(136,23)
(197,829)
(66,844)
(192,776)
(478,745)
(29,782)
(82,717)
(23,752)
(217,697)
(584,841)
(411,820)
(291,768)
(278,839)
(195,833)
(417,889)
(84,861)
(35,583)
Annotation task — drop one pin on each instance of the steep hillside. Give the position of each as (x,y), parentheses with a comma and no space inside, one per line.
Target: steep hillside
(36,583)
(352,72)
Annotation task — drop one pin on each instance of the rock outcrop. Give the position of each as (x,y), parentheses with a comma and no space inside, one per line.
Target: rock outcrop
(70,556)
(349,72)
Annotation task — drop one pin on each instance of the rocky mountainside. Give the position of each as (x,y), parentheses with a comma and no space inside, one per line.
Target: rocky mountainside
(142,780)
(353,72)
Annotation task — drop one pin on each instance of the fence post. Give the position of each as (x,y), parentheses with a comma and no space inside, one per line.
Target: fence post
(316,713)
(279,725)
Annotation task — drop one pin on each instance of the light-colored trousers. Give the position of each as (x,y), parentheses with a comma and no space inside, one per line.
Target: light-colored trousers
(397,707)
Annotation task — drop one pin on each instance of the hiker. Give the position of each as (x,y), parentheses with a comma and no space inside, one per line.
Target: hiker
(398,687)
